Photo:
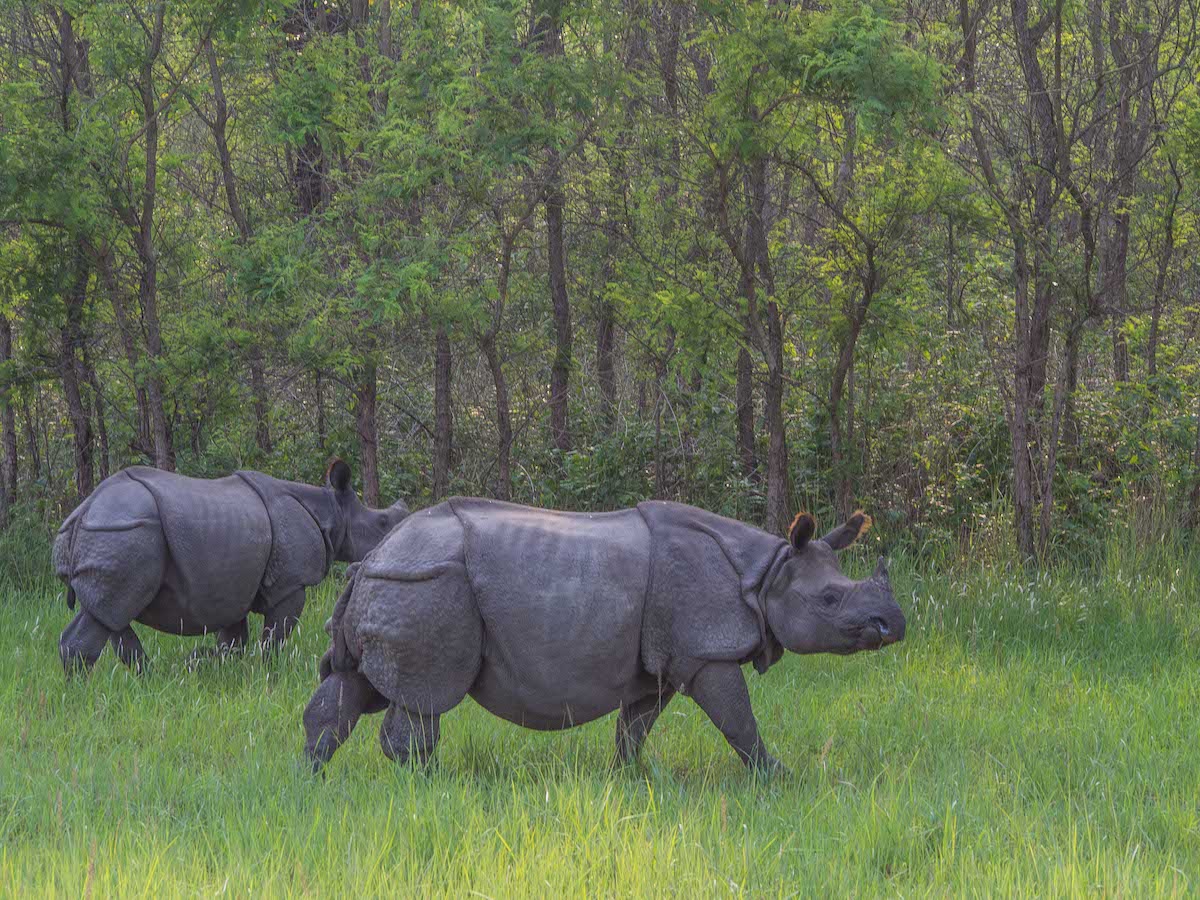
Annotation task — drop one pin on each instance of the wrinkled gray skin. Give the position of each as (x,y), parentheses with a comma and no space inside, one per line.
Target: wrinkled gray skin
(553,619)
(193,556)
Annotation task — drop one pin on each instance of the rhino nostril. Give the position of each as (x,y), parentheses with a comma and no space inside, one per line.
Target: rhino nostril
(881,625)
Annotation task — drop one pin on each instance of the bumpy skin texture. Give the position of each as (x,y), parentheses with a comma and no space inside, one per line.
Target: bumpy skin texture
(552,619)
(191,556)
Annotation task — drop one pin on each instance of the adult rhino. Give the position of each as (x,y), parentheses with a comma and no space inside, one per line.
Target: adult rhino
(190,556)
(551,619)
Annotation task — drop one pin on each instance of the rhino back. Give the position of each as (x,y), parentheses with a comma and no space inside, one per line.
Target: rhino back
(561,596)
(218,538)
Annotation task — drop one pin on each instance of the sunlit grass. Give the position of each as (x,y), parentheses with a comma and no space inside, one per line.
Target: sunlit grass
(1033,735)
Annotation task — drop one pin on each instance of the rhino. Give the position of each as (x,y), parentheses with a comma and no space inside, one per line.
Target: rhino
(553,619)
(190,556)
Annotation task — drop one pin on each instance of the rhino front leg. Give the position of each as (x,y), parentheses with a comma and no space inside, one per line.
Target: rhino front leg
(128,648)
(280,620)
(407,734)
(81,643)
(635,721)
(333,712)
(720,690)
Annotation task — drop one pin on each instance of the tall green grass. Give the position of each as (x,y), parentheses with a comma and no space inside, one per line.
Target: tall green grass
(1035,734)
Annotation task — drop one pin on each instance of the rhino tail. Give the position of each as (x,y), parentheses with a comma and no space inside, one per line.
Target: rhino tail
(338,657)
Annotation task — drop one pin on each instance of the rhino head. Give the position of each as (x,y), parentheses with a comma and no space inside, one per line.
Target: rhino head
(813,608)
(365,527)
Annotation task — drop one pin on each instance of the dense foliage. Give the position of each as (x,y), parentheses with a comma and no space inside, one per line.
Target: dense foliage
(936,258)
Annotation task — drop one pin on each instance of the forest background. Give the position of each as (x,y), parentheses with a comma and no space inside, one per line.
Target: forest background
(936,259)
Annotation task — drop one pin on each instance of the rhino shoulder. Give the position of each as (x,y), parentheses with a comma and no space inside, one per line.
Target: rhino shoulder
(704,602)
(301,552)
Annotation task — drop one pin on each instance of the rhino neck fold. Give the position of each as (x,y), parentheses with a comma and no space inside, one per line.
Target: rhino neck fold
(770,650)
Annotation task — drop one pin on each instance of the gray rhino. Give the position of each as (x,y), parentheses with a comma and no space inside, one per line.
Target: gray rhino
(552,619)
(191,556)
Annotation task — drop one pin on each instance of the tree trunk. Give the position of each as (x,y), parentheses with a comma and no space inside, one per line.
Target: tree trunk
(605,368)
(8,429)
(744,403)
(1193,516)
(560,371)
(367,428)
(101,427)
(31,441)
(143,443)
(258,388)
(777,476)
(504,433)
(70,369)
(322,430)
(443,433)
(164,453)
(547,28)
(1160,278)
(219,127)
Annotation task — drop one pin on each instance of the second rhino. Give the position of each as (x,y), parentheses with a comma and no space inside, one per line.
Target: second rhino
(191,556)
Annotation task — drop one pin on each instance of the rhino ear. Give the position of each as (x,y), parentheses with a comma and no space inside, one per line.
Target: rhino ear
(845,535)
(802,529)
(337,476)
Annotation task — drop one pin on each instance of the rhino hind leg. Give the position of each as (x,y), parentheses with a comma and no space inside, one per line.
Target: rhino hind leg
(409,735)
(720,690)
(129,649)
(230,639)
(635,721)
(333,712)
(82,642)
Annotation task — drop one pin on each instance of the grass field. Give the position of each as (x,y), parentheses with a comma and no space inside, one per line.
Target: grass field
(1032,735)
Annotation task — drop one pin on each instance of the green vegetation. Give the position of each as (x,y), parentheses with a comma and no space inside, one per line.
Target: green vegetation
(1034,735)
(938,260)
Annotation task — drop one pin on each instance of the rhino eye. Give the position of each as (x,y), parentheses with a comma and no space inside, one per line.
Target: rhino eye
(830,597)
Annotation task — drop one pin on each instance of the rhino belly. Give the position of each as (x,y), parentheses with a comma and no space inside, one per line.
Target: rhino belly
(561,597)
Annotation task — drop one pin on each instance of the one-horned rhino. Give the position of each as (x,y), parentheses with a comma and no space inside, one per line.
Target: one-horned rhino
(552,619)
(191,556)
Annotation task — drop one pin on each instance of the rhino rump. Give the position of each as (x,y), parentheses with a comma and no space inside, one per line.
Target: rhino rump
(408,619)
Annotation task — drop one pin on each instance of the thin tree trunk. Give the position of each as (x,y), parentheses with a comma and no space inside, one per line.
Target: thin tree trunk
(744,403)
(31,440)
(322,430)
(8,429)
(1193,517)
(367,427)
(143,443)
(443,435)
(258,388)
(164,453)
(70,367)
(503,418)
(560,371)
(777,480)
(219,127)
(547,29)
(101,426)
(1160,279)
